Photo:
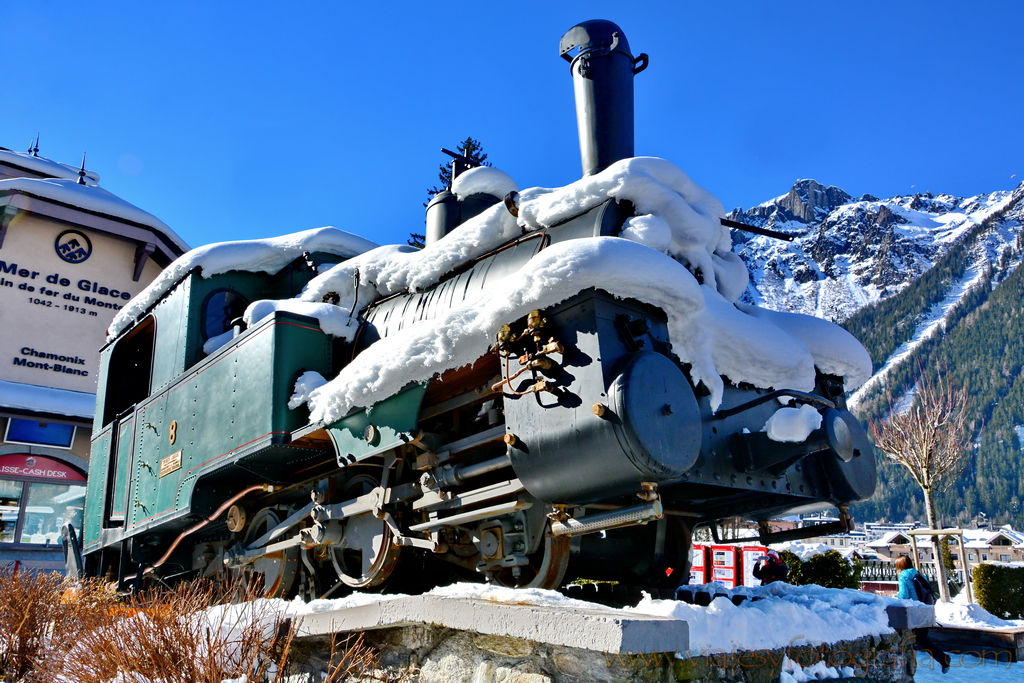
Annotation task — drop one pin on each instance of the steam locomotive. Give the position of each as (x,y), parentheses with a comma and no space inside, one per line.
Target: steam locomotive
(582,440)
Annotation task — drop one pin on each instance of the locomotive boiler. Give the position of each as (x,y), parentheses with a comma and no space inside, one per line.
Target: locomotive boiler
(562,384)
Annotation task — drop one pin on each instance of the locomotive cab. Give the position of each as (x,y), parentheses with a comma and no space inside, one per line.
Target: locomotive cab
(186,394)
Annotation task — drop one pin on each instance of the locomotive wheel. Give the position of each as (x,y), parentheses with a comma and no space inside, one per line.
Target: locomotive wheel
(367,555)
(276,571)
(674,570)
(546,568)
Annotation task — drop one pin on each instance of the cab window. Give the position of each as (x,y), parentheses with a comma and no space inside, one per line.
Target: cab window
(221,307)
(131,370)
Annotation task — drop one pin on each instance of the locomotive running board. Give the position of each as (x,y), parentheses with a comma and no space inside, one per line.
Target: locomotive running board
(605,521)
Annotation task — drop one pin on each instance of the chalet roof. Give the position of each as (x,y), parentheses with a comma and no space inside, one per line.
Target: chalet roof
(91,198)
(19,163)
(891,538)
(984,538)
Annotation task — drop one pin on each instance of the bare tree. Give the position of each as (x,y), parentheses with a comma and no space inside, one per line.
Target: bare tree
(931,440)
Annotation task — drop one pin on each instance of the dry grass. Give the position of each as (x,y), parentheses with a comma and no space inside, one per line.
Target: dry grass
(51,632)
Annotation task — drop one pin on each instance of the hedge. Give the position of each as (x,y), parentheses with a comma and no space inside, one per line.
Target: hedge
(829,569)
(1000,590)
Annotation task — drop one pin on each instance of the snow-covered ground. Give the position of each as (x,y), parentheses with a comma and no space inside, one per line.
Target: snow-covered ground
(962,614)
(782,616)
(967,669)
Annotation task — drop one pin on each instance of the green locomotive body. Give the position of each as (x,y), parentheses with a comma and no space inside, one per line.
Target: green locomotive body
(584,437)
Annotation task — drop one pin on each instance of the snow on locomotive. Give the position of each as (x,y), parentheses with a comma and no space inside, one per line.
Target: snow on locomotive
(562,383)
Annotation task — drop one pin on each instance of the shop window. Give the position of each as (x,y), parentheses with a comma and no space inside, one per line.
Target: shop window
(47,508)
(38,498)
(43,433)
(221,307)
(10,509)
(130,371)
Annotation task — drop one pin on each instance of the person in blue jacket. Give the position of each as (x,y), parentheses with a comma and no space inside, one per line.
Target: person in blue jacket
(905,566)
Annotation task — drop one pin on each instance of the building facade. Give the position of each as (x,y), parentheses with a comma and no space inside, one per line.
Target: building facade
(1002,544)
(71,255)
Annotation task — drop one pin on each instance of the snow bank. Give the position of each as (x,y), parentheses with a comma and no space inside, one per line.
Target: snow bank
(257,256)
(650,231)
(655,187)
(462,334)
(514,596)
(705,329)
(835,351)
(783,615)
(676,218)
(391,269)
(304,385)
(961,614)
(333,320)
(792,425)
(819,671)
(215,342)
(485,180)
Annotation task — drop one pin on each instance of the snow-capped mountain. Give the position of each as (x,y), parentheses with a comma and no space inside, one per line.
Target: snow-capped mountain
(943,275)
(849,252)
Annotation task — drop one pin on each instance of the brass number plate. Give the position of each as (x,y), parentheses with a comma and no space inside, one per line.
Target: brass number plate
(170,464)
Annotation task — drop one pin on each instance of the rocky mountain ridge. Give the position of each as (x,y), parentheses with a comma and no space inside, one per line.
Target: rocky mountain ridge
(930,285)
(849,252)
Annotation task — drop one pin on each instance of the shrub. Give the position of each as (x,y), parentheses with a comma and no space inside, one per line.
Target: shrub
(41,615)
(1000,590)
(829,569)
(53,630)
(176,636)
(796,566)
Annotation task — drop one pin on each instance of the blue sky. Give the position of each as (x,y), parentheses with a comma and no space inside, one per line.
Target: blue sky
(232,120)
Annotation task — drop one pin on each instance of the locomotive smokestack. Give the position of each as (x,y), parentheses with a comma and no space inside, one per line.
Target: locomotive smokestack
(602,75)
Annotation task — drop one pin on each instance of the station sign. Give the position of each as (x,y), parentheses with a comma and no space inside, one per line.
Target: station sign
(59,290)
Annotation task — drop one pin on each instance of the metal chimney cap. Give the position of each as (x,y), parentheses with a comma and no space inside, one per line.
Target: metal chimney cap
(592,35)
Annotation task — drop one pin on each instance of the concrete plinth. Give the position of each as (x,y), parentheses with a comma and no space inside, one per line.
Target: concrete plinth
(910,616)
(599,630)
(433,639)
